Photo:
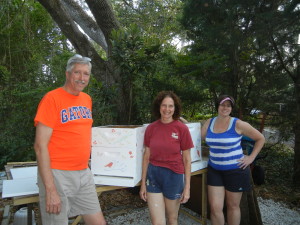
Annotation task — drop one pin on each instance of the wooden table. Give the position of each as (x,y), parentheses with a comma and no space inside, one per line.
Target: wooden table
(29,200)
(203,219)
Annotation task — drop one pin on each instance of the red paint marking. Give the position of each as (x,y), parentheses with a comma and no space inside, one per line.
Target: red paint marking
(109,165)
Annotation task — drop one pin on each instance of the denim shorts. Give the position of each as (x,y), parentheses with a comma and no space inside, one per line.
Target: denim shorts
(165,181)
(236,180)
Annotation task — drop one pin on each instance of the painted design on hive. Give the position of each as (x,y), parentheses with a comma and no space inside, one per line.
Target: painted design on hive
(115,165)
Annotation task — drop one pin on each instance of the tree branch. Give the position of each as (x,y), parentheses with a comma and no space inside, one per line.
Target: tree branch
(86,22)
(279,56)
(104,15)
(75,36)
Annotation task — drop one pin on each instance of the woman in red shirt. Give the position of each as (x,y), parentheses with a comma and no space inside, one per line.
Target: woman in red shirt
(167,161)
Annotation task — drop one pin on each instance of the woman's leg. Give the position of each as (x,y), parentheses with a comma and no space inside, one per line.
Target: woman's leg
(233,200)
(216,195)
(172,208)
(156,206)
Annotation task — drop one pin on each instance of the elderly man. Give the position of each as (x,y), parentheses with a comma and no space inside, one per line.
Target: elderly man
(63,145)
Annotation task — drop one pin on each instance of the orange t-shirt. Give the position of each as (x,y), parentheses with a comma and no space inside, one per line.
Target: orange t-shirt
(70,117)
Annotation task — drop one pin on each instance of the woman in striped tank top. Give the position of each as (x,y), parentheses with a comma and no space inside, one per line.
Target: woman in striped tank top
(228,168)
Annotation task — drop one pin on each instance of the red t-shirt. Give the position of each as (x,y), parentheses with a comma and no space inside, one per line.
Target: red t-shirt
(70,117)
(166,143)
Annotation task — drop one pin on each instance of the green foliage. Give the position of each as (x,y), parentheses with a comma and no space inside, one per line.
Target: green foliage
(104,112)
(278,166)
(201,117)
(279,162)
(157,17)
(155,66)
(28,39)
(230,52)
(18,131)
(139,57)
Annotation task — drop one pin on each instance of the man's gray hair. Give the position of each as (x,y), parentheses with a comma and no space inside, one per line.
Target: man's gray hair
(78,59)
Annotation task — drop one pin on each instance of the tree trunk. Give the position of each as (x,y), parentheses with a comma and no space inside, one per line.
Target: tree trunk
(294,73)
(105,71)
(250,213)
(296,174)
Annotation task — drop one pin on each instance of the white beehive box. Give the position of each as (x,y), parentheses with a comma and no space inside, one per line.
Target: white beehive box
(117,154)
(196,154)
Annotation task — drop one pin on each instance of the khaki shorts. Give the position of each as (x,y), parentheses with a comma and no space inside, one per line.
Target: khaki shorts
(77,192)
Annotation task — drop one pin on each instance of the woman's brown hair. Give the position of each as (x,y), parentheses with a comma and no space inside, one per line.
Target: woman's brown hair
(158,100)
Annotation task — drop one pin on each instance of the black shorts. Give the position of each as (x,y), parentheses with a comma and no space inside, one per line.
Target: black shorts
(237,180)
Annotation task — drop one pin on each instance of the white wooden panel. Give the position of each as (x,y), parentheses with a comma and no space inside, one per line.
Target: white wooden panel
(19,187)
(23,172)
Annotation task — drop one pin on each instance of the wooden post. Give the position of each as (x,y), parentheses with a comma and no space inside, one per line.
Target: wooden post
(250,213)
(6,215)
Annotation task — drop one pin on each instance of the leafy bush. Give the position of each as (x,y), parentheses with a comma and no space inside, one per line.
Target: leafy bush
(199,117)
(278,167)
(279,164)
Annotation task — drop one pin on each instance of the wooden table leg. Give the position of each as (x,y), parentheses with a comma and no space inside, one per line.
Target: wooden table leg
(204,199)
(29,214)
(77,220)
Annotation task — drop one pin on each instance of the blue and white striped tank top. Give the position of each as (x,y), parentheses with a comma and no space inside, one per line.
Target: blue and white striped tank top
(224,148)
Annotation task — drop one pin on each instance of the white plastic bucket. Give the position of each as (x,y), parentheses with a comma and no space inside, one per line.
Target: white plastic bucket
(20,217)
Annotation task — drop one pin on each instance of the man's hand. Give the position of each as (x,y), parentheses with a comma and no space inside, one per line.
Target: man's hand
(53,202)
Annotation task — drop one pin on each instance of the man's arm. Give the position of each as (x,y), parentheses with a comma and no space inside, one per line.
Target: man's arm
(42,138)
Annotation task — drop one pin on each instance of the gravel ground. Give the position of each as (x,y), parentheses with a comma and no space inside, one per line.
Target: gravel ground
(141,217)
(273,213)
